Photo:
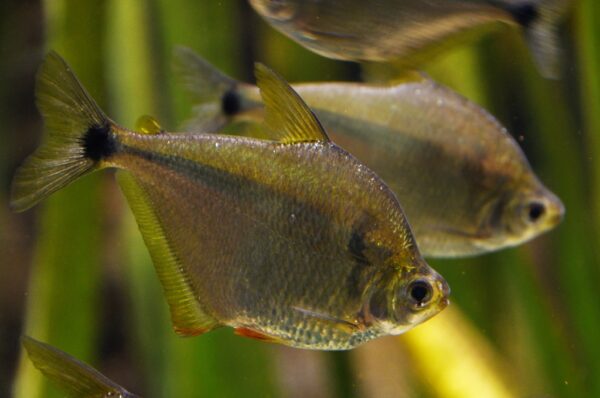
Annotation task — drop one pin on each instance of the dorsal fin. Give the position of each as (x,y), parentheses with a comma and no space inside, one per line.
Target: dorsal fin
(286,114)
(148,125)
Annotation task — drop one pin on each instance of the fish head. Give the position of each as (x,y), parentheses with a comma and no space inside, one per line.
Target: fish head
(411,296)
(276,10)
(531,213)
(521,215)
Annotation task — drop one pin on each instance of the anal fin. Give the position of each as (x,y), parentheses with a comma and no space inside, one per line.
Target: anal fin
(187,315)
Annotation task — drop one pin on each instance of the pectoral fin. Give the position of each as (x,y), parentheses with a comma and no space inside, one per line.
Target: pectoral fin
(255,334)
(188,318)
(348,326)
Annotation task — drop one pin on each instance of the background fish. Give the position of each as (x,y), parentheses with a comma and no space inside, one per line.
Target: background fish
(463,181)
(411,30)
(291,241)
(76,378)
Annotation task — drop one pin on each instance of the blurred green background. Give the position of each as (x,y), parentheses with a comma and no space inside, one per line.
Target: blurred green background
(75,273)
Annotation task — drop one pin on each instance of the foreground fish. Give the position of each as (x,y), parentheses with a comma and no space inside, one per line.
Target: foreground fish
(73,376)
(292,241)
(463,182)
(411,30)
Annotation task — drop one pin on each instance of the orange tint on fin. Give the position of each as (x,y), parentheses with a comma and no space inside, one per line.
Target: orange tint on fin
(253,334)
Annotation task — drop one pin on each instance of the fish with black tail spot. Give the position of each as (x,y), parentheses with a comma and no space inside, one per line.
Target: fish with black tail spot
(462,180)
(410,31)
(216,213)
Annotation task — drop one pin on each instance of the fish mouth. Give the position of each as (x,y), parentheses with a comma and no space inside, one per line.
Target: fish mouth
(444,303)
(541,214)
(444,289)
(440,300)
(556,210)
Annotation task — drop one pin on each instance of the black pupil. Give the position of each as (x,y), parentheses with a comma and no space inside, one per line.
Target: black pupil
(420,291)
(536,210)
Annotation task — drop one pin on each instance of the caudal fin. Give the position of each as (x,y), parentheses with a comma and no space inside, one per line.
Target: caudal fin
(77,136)
(540,21)
(215,94)
(73,376)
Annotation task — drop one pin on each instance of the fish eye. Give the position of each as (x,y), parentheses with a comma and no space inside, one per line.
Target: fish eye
(535,210)
(420,292)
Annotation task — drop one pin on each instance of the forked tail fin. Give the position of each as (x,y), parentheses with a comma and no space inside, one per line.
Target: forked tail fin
(77,136)
(73,376)
(215,94)
(540,21)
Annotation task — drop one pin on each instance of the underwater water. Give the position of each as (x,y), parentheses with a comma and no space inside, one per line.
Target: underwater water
(523,321)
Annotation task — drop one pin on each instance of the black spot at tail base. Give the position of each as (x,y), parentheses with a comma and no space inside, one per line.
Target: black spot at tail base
(524,13)
(98,142)
(230,103)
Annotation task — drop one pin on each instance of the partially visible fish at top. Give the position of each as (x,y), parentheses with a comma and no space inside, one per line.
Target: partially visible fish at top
(290,240)
(410,31)
(72,376)
(463,181)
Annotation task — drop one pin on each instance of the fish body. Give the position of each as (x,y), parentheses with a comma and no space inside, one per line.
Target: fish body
(289,240)
(409,31)
(74,377)
(462,180)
